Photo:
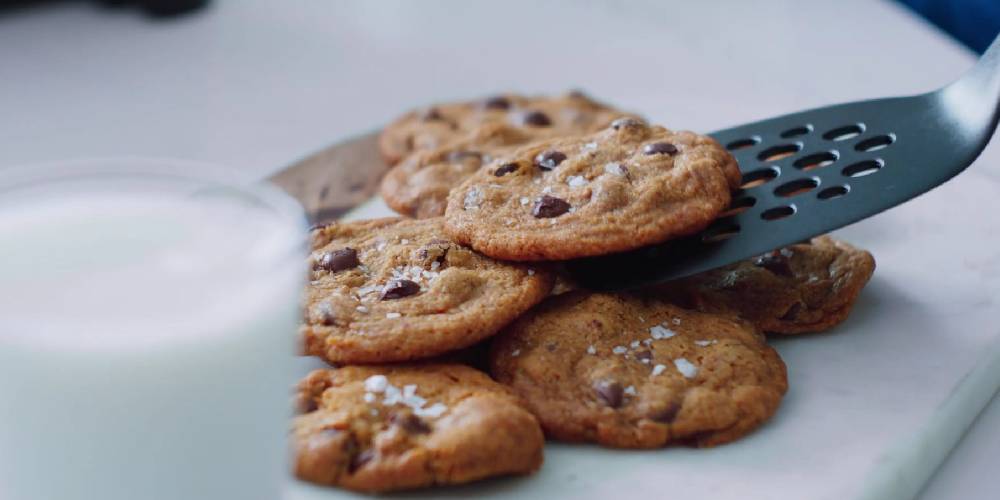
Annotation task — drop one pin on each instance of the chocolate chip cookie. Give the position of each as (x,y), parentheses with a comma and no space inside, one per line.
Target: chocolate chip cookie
(383,428)
(437,125)
(624,187)
(419,186)
(397,289)
(637,372)
(808,287)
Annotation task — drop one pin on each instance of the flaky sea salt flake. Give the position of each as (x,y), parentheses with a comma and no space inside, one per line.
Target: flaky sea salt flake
(688,369)
(376,383)
(659,332)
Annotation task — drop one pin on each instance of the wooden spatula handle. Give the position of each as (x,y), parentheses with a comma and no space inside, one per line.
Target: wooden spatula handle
(335,180)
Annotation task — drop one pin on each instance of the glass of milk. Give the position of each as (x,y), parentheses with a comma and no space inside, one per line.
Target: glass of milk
(147,326)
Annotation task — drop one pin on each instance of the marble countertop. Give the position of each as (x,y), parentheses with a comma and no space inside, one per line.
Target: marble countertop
(256,84)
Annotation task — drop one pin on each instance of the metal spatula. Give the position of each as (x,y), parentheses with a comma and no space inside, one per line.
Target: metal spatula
(808,173)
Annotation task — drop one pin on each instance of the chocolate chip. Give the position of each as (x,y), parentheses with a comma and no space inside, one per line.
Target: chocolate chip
(667,414)
(627,122)
(548,160)
(549,206)
(321,225)
(497,102)
(776,262)
(551,347)
(506,169)
(609,392)
(397,289)
(308,405)
(360,460)
(644,355)
(537,119)
(660,148)
(338,260)
(409,422)
(431,114)
(456,156)
(792,312)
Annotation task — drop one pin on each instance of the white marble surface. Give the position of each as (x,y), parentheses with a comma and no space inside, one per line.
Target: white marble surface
(255,84)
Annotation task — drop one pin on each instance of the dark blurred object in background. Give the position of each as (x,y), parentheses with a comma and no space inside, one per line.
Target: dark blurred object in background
(973,22)
(155,8)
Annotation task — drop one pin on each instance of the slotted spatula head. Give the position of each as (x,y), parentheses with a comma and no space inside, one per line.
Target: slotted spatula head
(808,173)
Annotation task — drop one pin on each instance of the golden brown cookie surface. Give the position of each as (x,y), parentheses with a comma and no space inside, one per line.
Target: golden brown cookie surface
(624,187)
(436,126)
(419,186)
(395,289)
(636,372)
(808,287)
(384,428)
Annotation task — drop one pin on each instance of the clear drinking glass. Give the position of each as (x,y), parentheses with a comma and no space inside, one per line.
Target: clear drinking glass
(147,323)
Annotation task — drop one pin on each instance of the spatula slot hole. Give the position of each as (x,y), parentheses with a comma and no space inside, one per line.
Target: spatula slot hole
(759,177)
(833,192)
(862,168)
(796,187)
(844,133)
(797,131)
(778,212)
(720,231)
(739,205)
(776,153)
(875,143)
(743,143)
(816,160)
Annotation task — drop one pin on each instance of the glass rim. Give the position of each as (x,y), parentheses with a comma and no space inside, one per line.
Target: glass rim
(14,176)
(284,249)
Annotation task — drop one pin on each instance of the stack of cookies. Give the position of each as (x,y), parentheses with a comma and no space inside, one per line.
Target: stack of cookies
(457,346)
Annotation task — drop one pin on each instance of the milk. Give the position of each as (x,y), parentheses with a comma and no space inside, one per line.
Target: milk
(146,343)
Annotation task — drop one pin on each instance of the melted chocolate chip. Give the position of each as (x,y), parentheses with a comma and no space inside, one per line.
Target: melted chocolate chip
(792,312)
(431,114)
(644,355)
(536,119)
(659,148)
(549,206)
(497,102)
(548,160)
(308,405)
(506,169)
(627,122)
(397,289)
(609,392)
(409,422)
(456,156)
(666,415)
(359,460)
(776,262)
(338,260)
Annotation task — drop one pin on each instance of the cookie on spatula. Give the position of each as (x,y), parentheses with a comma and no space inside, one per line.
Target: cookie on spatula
(627,186)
